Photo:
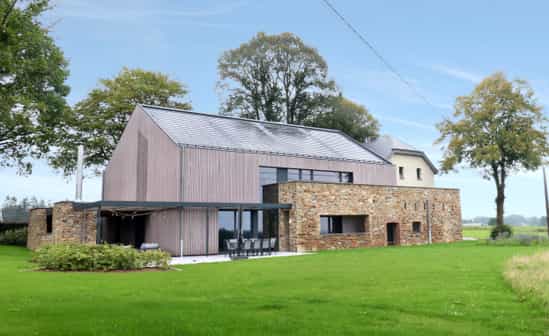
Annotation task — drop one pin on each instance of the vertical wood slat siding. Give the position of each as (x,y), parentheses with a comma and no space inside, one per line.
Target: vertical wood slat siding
(163,228)
(225,176)
(194,231)
(142,164)
(162,166)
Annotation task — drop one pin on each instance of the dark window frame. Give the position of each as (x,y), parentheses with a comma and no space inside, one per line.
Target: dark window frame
(308,175)
(418,174)
(416,227)
(401,172)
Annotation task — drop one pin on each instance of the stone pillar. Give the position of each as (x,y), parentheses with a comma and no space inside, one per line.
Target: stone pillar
(37,232)
(73,226)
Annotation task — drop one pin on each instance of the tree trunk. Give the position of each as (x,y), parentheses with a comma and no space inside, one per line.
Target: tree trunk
(500,200)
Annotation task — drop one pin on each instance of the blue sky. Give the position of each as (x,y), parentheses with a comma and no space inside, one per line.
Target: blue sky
(443,48)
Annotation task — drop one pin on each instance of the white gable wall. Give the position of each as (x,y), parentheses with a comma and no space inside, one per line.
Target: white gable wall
(410,163)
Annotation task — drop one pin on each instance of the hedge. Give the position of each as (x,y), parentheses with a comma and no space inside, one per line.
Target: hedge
(14,237)
(104,257)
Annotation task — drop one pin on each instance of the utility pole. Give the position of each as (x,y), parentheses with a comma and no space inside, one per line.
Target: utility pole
(546,200)
(79,173)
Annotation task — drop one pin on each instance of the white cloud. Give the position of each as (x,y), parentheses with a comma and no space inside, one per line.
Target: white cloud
(457,73)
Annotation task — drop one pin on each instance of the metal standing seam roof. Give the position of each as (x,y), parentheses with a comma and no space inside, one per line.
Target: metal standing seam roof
(220,132)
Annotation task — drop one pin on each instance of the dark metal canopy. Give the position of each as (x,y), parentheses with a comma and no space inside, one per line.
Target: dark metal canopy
(155,205)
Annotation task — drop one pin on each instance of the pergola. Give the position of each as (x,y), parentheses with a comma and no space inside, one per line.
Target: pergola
(136,208)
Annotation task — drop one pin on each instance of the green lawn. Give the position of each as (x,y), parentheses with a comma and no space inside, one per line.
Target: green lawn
(483,232)
(454,289)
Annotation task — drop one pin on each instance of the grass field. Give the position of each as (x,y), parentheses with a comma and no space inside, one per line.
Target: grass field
(483,232)
(452,289)
(529,275)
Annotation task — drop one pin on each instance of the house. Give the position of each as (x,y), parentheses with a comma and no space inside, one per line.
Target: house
(413,167)
(192,181)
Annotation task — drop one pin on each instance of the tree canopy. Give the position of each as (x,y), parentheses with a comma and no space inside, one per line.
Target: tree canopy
(275,78)
(349,117)
(499,128)
(97,122)
(33,71)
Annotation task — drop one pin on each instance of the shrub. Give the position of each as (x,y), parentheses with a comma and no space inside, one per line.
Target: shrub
(520,240)
(14,237)
(504,231)
(105,257)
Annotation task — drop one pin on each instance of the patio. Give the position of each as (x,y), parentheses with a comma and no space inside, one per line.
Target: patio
(189,260)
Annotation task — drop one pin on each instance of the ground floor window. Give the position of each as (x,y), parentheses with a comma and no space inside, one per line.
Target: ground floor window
(343,224)
(253,224)
(416,227)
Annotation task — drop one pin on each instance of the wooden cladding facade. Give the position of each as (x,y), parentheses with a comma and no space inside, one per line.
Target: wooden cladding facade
(148,166)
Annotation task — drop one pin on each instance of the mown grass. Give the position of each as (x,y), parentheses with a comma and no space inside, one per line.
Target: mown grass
(483,232)
(529,275)
(447,289)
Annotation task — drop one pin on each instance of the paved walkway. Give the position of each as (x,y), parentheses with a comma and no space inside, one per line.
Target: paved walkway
(223,258)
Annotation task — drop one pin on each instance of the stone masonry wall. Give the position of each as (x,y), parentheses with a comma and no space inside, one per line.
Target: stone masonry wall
(73,226)
(68,226)
(380,205)
(37,235)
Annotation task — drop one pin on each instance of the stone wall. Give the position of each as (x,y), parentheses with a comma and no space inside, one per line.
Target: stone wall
(73,226)
(381,204)
(37,232)
(68,226)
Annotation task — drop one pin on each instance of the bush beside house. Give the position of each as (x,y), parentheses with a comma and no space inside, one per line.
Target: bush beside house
(14,237)
(105,257)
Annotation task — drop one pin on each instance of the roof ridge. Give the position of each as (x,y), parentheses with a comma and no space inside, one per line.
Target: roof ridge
(177,110)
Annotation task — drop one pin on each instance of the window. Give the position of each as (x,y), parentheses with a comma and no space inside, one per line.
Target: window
(346,177)
(49,224)
(418,174)
(330,224)
(293,175)
(267,175)
(401,172)
(326,176)
(343,224)
(272,175)
(416,227)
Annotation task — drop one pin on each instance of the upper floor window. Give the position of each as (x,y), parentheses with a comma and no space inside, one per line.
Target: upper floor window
(271,175)
(401,172)
(418,174)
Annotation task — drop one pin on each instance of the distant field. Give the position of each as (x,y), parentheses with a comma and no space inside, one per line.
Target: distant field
(482,232)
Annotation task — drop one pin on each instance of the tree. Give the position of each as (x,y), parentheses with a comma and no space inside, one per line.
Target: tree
(33,71)
(275,78)
(349,117)
(500,129)
(97,122)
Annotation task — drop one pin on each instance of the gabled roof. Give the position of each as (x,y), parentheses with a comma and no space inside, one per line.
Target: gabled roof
(387,145)
(220,132)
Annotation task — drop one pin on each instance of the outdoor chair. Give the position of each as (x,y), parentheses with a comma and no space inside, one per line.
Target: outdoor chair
(231,245)
(247,246)
(256,246)
(266,245)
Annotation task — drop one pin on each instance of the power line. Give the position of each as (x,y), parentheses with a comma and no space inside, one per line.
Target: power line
(377,53)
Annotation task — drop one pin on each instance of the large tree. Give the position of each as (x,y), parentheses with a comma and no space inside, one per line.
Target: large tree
(499,128)
(349,117)
(97,122)
(275,78)
(33,71)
